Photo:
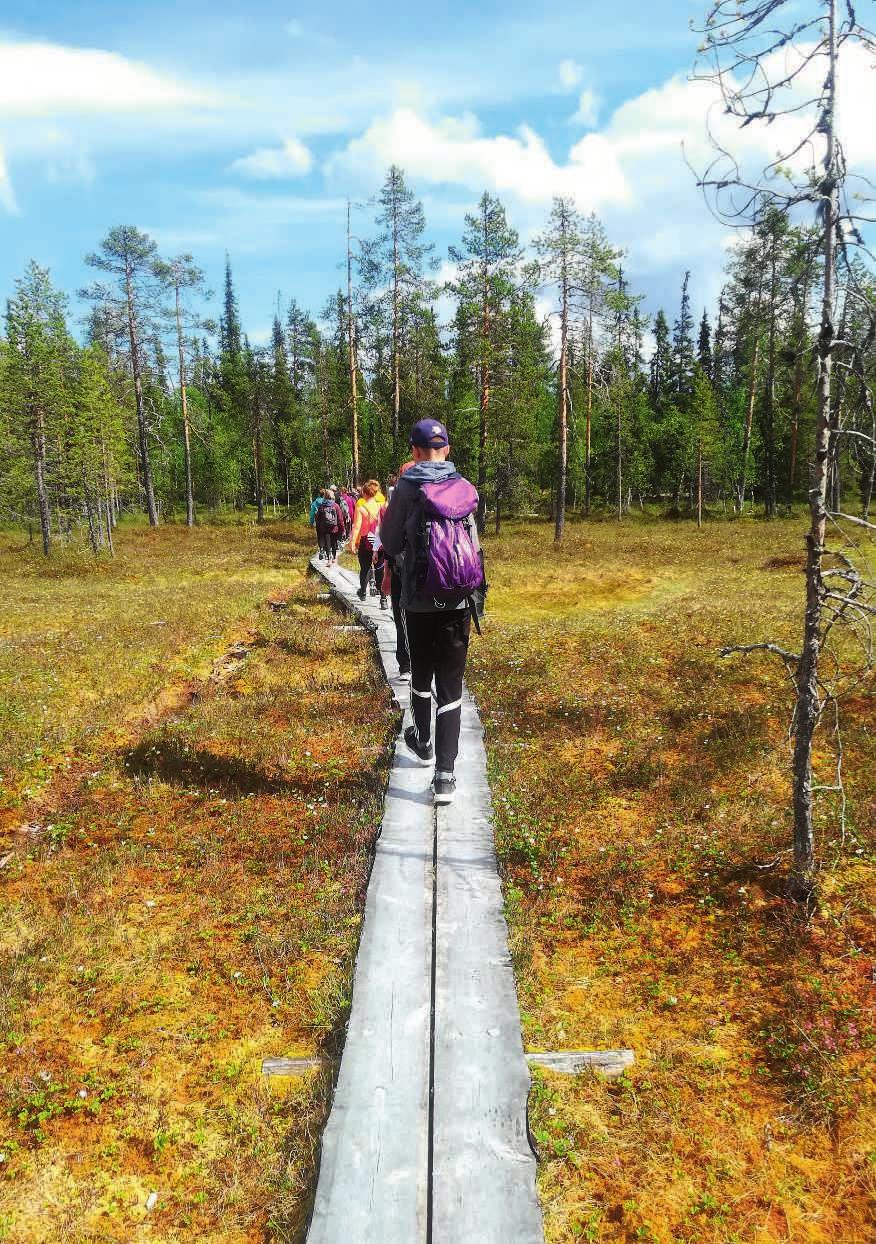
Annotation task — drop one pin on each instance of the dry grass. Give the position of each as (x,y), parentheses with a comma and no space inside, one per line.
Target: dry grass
(641,790)
(186,898)
(85,647)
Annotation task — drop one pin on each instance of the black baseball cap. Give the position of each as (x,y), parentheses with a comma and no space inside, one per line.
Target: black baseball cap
(429,434)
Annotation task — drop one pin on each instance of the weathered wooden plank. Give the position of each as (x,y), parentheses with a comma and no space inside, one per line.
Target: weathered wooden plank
(290,1066)
(483,1182)
(373,1177)
(606,1063)
(475,1181)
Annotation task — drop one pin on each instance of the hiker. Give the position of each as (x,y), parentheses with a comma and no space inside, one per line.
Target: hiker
(380,562)
(346,512)
(315,504)
(429,528)
(365,521)
(328,527)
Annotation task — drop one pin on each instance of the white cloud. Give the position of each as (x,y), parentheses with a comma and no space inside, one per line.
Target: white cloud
(7,194)
(454,150)
(291,159)
(587,113)
(571,73)
(40,79)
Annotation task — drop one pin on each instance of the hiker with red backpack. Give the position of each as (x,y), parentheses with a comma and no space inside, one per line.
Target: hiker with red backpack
(429,530)
(329,525)
(365,523)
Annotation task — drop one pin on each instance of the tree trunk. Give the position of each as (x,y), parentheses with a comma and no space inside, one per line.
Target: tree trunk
(589,417)
(797,386)
(699,483)
(563,417)
(39,469)
(258,462)
(187,444)
(142,431)
(837,400)
(770,429)
(808,706)
(93,527)
(351,346)
(746,431)
(396,365)
(620,463)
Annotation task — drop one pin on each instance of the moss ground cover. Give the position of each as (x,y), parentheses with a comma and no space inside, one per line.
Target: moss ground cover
(181,890)
(86,647)
(641,790)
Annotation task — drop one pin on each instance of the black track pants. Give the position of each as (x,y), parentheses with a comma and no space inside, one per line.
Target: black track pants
(328,543)
(366,562)
(401,641)
(438,644)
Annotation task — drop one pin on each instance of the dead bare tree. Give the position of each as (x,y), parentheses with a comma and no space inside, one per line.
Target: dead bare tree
(777,59)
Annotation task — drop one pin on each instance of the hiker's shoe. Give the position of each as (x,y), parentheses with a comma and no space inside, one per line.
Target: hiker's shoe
(405,675)
(384,602)
(444,788)
(423,750)
(360,593)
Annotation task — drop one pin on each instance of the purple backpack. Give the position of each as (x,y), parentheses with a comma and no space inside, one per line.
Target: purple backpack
(448,562)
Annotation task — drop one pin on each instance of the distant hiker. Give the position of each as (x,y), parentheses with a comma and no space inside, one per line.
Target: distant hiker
(365,521)
(315,504)
(346,512)
(381,570)
(328,527)
(429,524)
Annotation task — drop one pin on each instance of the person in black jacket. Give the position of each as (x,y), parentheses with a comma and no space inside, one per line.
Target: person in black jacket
(437,634)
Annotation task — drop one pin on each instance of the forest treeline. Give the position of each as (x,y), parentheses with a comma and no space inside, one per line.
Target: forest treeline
(150,405)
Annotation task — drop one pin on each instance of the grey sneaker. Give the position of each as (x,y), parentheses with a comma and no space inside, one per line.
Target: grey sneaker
(412,739)
(444,788)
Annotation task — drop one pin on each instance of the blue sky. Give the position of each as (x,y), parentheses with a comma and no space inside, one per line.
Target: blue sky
(245,127)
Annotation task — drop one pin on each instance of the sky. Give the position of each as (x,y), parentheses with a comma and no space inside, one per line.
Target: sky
(244,128)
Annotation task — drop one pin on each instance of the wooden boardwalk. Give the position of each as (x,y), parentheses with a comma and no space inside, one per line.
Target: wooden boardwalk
(427,1141)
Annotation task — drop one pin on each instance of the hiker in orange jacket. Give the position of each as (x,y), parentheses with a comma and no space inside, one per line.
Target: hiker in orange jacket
(365,524)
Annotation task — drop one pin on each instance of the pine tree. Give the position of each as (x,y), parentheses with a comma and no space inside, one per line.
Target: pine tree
(393,268)
(182,277)
(489,274)
(129,255)
(562,263)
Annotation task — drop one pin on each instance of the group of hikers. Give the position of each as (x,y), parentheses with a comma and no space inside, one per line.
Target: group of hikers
(418,550)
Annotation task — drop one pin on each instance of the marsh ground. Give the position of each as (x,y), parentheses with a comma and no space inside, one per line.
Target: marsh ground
(194,769)
(192,783)
(641,788)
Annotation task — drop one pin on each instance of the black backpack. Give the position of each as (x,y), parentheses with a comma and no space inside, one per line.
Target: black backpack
(327,518)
